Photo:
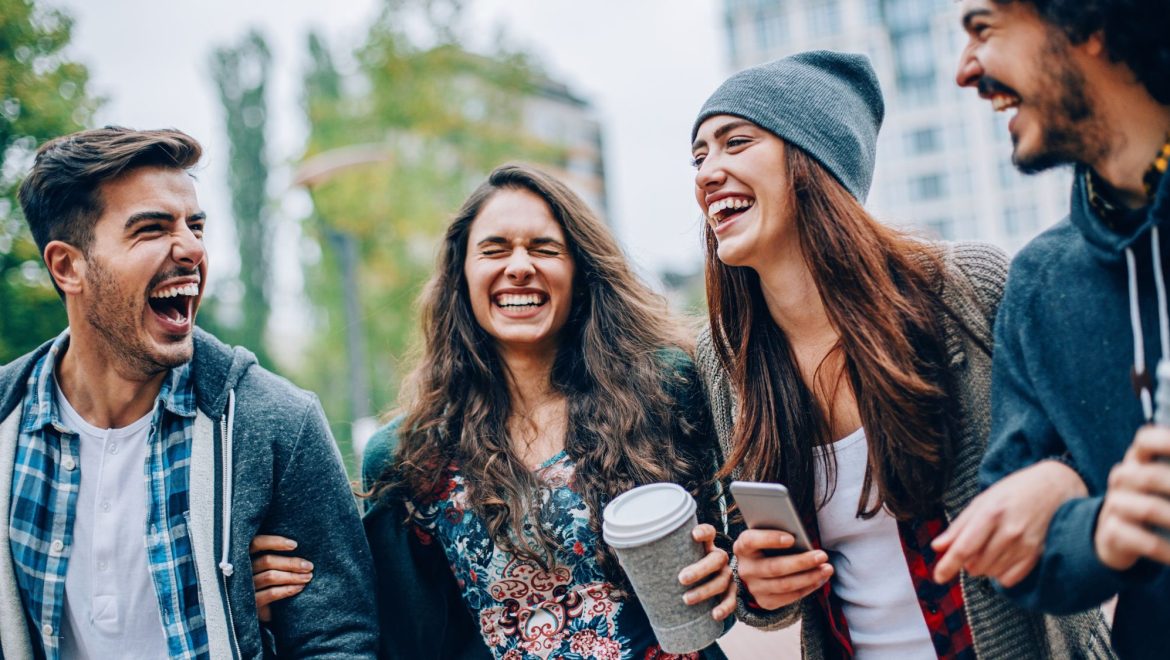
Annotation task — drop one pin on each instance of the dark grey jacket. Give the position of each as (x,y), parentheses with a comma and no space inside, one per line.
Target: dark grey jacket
(282,475)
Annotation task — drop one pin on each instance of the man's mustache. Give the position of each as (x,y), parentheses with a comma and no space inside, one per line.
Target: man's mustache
(170,275)
(989,86)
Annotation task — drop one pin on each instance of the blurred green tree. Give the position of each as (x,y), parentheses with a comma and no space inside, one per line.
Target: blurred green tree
(42,95)
(444,116)
(241,75)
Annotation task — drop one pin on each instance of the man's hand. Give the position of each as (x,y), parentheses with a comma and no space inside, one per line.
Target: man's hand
(1001,532)
(781,580)
(1136,504)
(276,577)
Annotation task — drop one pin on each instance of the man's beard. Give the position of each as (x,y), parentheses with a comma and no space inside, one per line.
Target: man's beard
(114,312)
(1072,130)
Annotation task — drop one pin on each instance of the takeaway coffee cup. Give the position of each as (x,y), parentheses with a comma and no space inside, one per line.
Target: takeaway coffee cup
(649,528)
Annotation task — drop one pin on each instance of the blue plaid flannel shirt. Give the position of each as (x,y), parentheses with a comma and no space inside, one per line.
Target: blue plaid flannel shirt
(45,484)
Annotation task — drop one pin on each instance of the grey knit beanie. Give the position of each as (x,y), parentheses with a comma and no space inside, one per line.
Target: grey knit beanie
(829,104)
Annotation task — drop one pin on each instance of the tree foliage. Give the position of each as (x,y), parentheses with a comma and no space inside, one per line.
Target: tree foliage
(444,116)
(241,75)
(43,95)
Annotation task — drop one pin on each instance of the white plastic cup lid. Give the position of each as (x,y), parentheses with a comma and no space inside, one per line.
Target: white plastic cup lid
(645,514)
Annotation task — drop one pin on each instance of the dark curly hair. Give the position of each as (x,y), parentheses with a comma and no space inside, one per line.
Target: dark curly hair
(1135,33)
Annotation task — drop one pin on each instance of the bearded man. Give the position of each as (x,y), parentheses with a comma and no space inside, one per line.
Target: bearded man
(1084,319)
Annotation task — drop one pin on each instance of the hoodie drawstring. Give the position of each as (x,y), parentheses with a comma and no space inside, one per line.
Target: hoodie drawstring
(227,428)
(1135,319)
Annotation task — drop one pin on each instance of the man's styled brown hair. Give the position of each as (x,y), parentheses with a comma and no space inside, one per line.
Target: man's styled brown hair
(60,197)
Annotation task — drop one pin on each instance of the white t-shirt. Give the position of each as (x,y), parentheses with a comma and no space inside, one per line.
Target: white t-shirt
(870,574)
(111,608)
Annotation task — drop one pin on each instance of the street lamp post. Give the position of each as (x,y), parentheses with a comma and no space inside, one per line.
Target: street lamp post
(310,173)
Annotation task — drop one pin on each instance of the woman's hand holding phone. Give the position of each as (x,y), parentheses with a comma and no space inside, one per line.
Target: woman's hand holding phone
(778,580)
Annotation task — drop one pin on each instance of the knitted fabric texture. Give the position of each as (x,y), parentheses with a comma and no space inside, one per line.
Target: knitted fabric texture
(827,103)
(973,281)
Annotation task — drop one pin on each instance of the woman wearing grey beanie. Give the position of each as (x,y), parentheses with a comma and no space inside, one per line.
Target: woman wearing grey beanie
(851,363)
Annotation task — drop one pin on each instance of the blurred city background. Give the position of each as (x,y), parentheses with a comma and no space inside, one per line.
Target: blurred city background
(341,136)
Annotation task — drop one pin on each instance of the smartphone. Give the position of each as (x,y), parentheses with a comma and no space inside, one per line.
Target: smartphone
(768,506)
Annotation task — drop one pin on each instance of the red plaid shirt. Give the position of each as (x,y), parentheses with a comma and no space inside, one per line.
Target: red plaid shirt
(942,604)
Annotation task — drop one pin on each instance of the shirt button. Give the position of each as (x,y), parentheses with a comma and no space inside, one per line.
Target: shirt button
(102,565)
(56,547)
(106,505)
(68,463)
(47,630)
(113,448)
(932,608)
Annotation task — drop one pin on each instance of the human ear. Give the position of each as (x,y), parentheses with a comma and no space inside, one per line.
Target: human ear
(1095,44)
(66,264)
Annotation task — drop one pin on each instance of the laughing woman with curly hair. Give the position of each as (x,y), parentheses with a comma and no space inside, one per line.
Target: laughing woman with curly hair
(551,381)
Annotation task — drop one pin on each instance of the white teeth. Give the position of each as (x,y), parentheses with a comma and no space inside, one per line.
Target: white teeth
(1002,102)
(191,289)
(518,299)
(728,203)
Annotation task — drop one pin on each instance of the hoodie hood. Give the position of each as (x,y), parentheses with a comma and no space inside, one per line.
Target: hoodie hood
(1106,242)
(217,369)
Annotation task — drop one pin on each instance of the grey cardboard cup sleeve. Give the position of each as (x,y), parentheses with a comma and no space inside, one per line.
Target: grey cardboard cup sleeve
(649,528)
(653,570)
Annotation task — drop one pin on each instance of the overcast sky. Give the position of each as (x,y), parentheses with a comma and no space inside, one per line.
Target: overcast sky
(646,65)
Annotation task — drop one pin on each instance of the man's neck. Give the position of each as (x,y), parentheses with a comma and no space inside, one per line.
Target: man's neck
(100,388)
(1141,127)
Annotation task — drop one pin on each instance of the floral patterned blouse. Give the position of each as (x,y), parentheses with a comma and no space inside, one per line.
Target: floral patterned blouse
(523,610)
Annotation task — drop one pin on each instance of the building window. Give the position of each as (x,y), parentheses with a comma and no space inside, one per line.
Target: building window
(1019,220)
(940,228)
(771,29)
(903,14)
(927,187)
(924,141)
(732,37)
(914,62)
(824,18)
(1008,176)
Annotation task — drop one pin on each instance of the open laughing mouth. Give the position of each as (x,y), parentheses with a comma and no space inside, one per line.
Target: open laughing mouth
(174,305)
(1002,97)
(520,301)
(728,208)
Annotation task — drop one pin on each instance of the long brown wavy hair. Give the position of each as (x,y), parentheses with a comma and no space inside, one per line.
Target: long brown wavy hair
(881,291)
(624,428)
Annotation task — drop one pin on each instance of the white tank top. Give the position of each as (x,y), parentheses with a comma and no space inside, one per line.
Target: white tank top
(870,574)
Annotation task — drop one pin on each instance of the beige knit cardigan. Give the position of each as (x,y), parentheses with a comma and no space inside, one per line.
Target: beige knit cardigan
(974,276)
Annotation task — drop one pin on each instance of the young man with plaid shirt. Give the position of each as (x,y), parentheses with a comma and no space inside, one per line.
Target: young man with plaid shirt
(139,456)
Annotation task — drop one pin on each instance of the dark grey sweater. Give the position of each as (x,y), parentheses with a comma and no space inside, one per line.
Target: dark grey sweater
(1065,347)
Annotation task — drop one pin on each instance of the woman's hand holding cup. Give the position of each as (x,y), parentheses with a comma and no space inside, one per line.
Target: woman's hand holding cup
(712,574)
(778,580)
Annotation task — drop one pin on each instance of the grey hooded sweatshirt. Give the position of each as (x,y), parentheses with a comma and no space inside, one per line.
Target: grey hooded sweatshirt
(1085,302)
(262,462)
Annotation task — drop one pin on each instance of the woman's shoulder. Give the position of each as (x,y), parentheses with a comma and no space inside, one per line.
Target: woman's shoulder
(983,264)
(379,451)
(974,272)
